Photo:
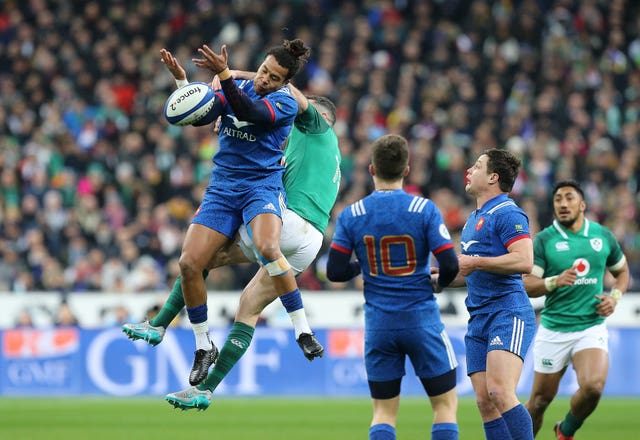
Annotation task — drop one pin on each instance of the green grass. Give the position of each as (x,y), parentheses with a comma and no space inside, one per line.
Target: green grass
(266,419)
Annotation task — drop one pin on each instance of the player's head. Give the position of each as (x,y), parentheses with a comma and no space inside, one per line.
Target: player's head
(389,158)
(280,65)
(493,167)
(325,107)
(568,202)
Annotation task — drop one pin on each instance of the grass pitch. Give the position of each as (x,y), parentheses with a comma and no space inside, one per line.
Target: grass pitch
(267,419)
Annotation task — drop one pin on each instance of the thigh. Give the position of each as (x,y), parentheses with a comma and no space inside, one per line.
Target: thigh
(219,211)
(552,350)
(430,351)
(300,241)
(383,358)
(263,200)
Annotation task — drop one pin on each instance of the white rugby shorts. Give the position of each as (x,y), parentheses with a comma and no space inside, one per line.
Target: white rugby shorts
(552,350)
(300,241)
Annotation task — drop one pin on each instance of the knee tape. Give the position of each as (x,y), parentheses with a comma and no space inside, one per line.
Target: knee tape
(277,267)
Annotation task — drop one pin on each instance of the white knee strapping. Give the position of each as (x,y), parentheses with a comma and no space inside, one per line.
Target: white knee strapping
(277,267)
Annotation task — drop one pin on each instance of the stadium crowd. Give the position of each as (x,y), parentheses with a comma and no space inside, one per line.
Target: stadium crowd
(97,189)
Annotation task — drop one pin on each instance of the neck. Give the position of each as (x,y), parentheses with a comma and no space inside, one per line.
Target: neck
(577,225)
(483,198)
(383,185)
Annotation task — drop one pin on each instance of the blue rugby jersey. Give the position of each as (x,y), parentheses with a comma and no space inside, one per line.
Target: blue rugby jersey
(392,234)
(249,153)
(487,233)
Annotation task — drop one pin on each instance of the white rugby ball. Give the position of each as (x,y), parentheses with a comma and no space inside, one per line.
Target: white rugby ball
(189,103)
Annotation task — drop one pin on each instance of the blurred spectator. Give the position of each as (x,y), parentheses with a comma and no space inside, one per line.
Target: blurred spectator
(64,316)
(96,189)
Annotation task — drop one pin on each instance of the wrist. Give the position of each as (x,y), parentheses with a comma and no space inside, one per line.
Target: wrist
(181,82)
(616,294)
(225,74)
(551,283)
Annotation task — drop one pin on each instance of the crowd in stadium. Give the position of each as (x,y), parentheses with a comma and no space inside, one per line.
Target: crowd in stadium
(97,189)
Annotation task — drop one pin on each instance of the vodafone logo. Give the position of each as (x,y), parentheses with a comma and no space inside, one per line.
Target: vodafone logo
(581,266)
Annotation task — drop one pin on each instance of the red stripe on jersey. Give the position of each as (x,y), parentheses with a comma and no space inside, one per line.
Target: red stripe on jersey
(513,240)
(221,98)
(271,110)
(444,247)
(339,248)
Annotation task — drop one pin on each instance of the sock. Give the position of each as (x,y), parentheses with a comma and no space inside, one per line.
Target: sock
(444,431)
(173,305)
(292,301)
(200,326)
(234,347)
(519,422)
(382,431)
(570,424)
(496,430)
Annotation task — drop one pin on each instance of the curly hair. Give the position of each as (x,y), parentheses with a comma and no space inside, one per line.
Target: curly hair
(292,55)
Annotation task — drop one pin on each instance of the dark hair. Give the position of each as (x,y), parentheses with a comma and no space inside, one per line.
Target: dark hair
(390,156)
(326,105)
(572,183)
(292,54)
(505,165)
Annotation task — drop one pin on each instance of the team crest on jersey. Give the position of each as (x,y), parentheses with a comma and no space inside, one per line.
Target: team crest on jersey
(582,266)
(596,244)
(562,246)
(444,232)
(480,224)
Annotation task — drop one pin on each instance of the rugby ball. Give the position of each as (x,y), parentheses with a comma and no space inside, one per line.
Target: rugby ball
(189,103)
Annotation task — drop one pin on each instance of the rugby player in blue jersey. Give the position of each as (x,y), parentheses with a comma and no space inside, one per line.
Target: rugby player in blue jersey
(245,187)
(392,234)
(496,250)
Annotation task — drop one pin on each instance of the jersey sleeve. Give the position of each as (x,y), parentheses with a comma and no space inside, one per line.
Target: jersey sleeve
(341,238)
(282,105)
(311,121)
(616,256)
(539,256)
(512,226)
(437,233)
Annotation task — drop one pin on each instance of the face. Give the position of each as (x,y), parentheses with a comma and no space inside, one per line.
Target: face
(568,206)
(270,77)
(477,177)
(320,110)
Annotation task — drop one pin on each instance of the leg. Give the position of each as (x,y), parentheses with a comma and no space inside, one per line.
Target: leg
(503,373)
(385,414)
(445,407)
(543,391)
(591,366)
(200,244)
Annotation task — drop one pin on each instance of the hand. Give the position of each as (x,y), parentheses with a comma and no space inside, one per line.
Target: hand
(465,265)
(173,65)
(607,305)
(211,60)
(567,277)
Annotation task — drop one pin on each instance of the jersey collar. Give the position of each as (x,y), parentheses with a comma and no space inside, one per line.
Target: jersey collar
(562,231)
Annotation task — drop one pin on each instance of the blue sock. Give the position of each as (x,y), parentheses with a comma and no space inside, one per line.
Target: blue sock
(292,301)
(496,430)
(197,314)
(382,431)
(519,423)
(444,431)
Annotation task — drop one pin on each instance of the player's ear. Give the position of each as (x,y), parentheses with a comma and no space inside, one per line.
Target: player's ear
(583,206)
(405,173)
(372,170)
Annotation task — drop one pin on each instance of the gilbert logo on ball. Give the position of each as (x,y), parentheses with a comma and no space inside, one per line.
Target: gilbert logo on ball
(189,103)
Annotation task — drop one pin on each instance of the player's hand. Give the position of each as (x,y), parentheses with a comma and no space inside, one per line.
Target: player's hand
(173,65)
(211,60)
(567,277)
(216,125)
(465,265)
(607,305)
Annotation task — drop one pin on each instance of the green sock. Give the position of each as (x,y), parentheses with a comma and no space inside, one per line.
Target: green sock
(570,424)
(173,305)
(234,347)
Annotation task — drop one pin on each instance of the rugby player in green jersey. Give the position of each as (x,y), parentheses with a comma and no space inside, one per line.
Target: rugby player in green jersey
(571,258)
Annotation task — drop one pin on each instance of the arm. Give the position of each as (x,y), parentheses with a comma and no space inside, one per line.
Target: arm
(339,266)
(608,302)
(448,268)
(518,259)
(174,67)
(257,112)
(537,286)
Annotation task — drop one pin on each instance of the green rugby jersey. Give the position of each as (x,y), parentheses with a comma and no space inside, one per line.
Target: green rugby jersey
(591,251)
(312,168)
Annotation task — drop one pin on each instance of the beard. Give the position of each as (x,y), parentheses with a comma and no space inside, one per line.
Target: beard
(567,223)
